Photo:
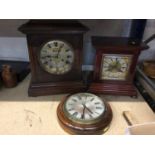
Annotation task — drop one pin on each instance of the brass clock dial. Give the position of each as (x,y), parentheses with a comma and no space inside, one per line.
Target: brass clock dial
(115,67)
(84,113)
(56,57)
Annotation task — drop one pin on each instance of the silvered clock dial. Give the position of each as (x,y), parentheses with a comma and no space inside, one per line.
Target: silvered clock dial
(84,113)
(115,67)
(84,108)
(56,57)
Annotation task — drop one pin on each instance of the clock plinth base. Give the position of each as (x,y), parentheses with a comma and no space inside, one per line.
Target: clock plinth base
(42,89)
(113,89)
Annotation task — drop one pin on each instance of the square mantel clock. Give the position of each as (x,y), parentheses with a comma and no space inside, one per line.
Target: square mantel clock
(55,51)
(115,64)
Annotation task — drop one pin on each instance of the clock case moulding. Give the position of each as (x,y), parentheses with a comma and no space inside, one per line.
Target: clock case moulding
(39,32)
(121,46)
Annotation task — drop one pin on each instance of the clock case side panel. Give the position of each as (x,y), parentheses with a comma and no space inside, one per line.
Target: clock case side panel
(43,83)
(33,62)
(114,87)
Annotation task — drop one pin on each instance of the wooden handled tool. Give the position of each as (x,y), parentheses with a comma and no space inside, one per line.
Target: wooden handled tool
(129,117)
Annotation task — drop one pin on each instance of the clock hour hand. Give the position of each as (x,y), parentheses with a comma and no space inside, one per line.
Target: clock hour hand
(87,108)
(117,61)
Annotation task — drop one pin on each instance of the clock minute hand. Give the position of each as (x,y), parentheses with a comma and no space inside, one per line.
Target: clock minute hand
(87,108)
(59,49)
(83,112)
(84,105)
(58,52)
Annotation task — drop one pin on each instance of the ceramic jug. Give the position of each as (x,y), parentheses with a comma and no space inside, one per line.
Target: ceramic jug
(9,77)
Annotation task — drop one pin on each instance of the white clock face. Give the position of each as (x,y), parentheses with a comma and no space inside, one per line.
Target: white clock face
(56,57)
(115,67)
(84,108)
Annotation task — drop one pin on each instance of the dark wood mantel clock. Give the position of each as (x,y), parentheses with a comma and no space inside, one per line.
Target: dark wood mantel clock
(55,50)
(115,64)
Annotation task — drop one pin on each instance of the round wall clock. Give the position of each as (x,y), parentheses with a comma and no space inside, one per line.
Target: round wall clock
(56,57)
(84,113)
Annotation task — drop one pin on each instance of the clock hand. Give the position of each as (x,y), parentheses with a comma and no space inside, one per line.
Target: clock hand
(59,50)
(88,109)
(83,112)
(85,107)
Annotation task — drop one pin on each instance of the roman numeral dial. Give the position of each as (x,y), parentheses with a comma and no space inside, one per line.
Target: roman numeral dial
(56,57)
(84,107)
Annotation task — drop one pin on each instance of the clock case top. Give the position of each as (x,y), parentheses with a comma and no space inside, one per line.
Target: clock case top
(113,46)
(39,32)
(54,26)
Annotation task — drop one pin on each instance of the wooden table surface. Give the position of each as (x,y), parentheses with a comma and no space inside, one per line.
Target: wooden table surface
(20,114)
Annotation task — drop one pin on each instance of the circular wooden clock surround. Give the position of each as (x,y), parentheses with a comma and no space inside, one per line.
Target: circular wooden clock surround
(84,129)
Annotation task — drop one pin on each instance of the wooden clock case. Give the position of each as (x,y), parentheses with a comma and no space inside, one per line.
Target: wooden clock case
(84,129)
(38,32)
(115,45)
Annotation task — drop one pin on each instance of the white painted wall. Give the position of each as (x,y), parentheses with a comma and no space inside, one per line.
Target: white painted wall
(107,27)
(13,48)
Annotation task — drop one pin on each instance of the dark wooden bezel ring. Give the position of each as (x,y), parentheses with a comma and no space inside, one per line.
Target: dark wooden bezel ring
(84,129)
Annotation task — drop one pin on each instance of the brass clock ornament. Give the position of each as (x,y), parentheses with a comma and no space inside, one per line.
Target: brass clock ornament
(115,64)
(56,54)
(84,113)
